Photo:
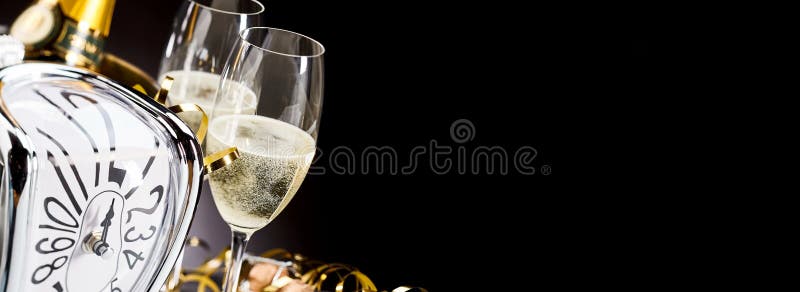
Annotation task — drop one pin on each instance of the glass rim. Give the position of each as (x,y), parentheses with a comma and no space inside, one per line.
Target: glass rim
(322,48)
(231,12)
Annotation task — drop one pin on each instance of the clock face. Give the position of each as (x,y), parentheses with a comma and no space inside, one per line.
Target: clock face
(102,216)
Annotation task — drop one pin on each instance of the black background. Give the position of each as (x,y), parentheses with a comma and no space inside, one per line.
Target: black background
(399,74)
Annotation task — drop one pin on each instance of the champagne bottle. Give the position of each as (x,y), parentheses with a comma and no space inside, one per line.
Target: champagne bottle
(66,31)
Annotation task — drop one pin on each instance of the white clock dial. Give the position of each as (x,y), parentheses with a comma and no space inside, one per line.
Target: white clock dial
(100,221)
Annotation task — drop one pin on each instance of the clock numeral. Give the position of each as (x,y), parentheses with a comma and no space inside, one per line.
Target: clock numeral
(157,189)
(115,289)
(49,201)
(55,265)
(140,236)
(136,258)
(54,245)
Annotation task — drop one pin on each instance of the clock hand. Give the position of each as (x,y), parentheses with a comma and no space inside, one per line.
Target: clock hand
(107,221)
(101,246)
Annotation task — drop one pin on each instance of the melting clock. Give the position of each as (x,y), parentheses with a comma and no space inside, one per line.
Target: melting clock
(99,183)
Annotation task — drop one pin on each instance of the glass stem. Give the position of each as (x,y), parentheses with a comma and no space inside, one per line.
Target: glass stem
(238,246)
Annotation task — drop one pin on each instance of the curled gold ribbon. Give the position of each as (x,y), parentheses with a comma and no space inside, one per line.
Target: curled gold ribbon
(190,107)
(315,277)
(203,282)
(407,289)
(277,253)
(276,285)
(220,159)
(361,281)
(195,241)
(161,95)
(324,273)
(140,88)
(212,265)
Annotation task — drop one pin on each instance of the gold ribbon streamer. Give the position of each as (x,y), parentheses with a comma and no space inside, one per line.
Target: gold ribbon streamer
(195,241)
(213,265)
(140,88)
(220,159)
(203,282)
(316,276)
(407,289)
(278,254)
(278,284)
(361,280)
(161,95)
(190,107)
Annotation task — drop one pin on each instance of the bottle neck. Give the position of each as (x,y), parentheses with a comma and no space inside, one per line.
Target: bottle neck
(84,32)
(80,45)
(96,14)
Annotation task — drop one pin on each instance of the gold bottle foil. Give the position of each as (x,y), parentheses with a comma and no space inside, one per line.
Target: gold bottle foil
(96,14)
(84,32)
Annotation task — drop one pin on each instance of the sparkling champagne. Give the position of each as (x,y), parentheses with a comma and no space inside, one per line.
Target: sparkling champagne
(274,159)
(200,88)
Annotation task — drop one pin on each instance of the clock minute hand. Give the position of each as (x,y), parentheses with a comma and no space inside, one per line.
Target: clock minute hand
(101,246)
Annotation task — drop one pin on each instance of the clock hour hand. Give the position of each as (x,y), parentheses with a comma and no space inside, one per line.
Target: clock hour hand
(101,246)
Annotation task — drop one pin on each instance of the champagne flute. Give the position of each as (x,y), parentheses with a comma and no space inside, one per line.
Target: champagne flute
(278,75)
(203,33)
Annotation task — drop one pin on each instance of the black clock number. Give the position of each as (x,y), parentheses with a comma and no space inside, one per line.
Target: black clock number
(54,245)
(48,202)
(151,210)
(136,258)
(115,289)
(140,236)
(55,265)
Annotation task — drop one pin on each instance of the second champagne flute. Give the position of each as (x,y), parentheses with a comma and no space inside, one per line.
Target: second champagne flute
(276,136)
(203,33)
